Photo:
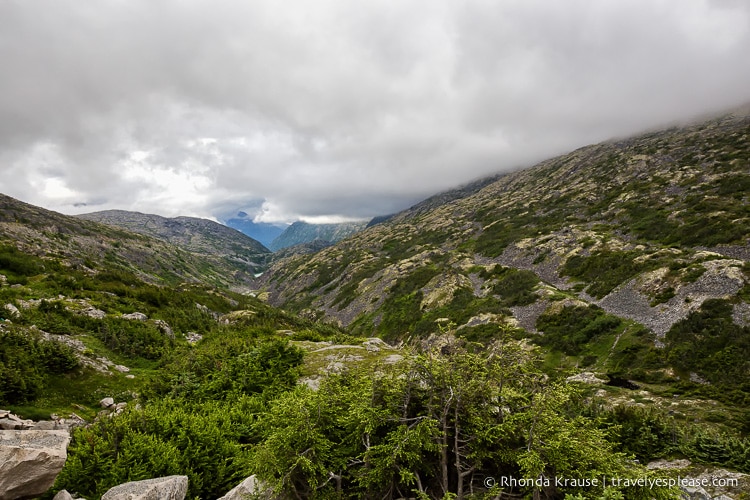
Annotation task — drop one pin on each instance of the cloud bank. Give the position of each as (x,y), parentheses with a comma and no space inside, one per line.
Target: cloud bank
(333,109)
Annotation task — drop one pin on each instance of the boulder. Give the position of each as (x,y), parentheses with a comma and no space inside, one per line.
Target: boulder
(252,486)
(93,312)
(193,337)
(162,488)
(12,310)
(11,422)
(30,461)
(107,402)
(694,493)
(393,359)
(164,328)
(136,316)
(63,495)
(375,344)
(586,378)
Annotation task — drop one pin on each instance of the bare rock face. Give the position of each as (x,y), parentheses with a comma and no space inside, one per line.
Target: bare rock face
(30,461)
(163,488)
(250,487)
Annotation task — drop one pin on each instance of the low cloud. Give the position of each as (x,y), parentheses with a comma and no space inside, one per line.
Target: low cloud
(334,108)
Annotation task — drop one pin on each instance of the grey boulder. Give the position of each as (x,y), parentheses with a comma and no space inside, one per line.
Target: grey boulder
(162,488)
(30,461)
(252,486)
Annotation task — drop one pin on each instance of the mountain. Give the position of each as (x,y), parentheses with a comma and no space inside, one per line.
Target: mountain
(198,236)
(261,231)
(611,252)
(628,259)
(304,232)
(85,244)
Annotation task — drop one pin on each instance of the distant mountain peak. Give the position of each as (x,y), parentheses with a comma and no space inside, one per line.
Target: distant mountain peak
(304,232)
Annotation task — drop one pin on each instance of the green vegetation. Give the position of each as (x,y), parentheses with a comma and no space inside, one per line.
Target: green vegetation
(515,287)
(710,344)
(604,270)
(18,266)
(570,329)
(27,362)
(439,423)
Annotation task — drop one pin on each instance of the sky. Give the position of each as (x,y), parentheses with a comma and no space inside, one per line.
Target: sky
(331,110)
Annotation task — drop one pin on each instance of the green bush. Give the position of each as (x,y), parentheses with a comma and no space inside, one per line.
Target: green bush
(166,437)
(570,329)
(709,343)
(26,363)
(604,270)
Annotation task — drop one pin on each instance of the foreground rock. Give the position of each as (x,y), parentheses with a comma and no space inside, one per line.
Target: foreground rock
(251,487)
(163,488)
(30,460)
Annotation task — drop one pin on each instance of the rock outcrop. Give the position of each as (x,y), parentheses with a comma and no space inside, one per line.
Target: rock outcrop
(586,378)
(30,460)
(251,486)
(163,488)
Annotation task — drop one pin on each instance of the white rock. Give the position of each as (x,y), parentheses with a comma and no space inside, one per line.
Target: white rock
(93,312)
(668,464)
(694,493)
(136,316)
(251,486)
(163,488)
(164,327)
(30,461)
(193,337)
(13,310)
(63,495)
(586,378)
(11,422)
(374,344)
(107,402)
(311,383)
(393,359)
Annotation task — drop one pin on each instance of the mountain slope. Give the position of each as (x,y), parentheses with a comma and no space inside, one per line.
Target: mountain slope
(603,241)
(85,244)
(198,236)
(304,232)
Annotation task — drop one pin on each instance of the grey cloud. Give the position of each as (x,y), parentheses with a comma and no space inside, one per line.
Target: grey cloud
(337,107)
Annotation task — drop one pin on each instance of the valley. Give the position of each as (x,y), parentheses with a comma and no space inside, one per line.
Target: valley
(584,317)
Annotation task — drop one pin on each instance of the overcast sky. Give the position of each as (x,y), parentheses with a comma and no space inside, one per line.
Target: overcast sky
(319,109)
